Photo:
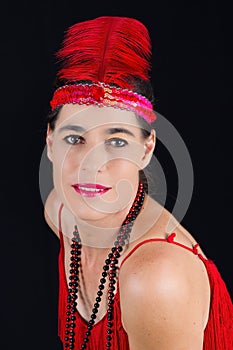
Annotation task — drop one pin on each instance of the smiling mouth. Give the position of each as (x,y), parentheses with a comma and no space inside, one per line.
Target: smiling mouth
(90,190)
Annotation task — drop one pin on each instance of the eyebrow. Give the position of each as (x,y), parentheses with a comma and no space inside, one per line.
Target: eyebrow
(109,131)
(76,128)
(119,130)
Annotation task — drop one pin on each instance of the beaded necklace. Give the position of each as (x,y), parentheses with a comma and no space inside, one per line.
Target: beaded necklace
(109,269)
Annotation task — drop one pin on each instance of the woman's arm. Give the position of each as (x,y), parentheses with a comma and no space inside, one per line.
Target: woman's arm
(164,299)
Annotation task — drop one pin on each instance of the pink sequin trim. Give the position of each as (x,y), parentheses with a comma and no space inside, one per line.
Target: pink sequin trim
(103,95)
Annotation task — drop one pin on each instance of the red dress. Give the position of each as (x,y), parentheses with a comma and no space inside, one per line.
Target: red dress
(218,334)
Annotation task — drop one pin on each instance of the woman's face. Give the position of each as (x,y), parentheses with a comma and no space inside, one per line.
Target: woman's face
(96,155)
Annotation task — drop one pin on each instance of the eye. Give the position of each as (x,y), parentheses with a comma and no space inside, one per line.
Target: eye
(74,139)
(116,142)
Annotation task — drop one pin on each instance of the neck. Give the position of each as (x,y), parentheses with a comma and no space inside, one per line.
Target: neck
(98,237)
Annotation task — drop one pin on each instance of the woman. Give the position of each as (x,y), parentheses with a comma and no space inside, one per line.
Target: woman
(122,285)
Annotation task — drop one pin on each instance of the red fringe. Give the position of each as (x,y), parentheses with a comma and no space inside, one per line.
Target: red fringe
(107,49)
(219,331)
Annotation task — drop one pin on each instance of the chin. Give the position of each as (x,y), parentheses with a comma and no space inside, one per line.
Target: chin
(93,209)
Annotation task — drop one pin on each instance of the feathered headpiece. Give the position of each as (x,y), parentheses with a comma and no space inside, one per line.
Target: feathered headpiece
(110,52)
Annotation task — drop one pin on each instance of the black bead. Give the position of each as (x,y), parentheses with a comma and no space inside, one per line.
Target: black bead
(114,268)
(114,261)
(112,274)
(74,297)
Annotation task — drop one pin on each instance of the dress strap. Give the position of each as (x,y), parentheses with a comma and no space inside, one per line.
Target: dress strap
(59,222)
(169,239)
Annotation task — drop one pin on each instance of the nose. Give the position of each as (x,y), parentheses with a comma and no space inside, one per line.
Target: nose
(95,159)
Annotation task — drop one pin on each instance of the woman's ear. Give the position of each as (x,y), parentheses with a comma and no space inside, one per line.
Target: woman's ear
(49,142)
(149,147)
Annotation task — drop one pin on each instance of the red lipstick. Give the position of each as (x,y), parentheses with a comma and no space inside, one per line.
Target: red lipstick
(90,190)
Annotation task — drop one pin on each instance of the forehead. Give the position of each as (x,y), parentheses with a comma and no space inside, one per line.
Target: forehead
(89,117)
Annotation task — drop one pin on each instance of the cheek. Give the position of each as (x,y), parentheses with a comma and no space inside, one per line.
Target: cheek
(128,158)
(123,168)
(65,168)
(65,158)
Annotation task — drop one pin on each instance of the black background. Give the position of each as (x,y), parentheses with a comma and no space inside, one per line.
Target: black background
(192,78)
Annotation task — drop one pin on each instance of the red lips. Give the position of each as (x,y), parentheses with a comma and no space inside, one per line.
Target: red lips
(90,190)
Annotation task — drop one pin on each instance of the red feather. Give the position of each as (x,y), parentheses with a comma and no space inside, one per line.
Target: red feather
(106,49)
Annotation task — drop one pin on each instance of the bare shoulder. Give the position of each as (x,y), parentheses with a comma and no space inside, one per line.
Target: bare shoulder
(51,210)
(162,288)
(165,265)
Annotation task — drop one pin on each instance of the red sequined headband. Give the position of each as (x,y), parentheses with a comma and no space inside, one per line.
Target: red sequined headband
(104,95)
